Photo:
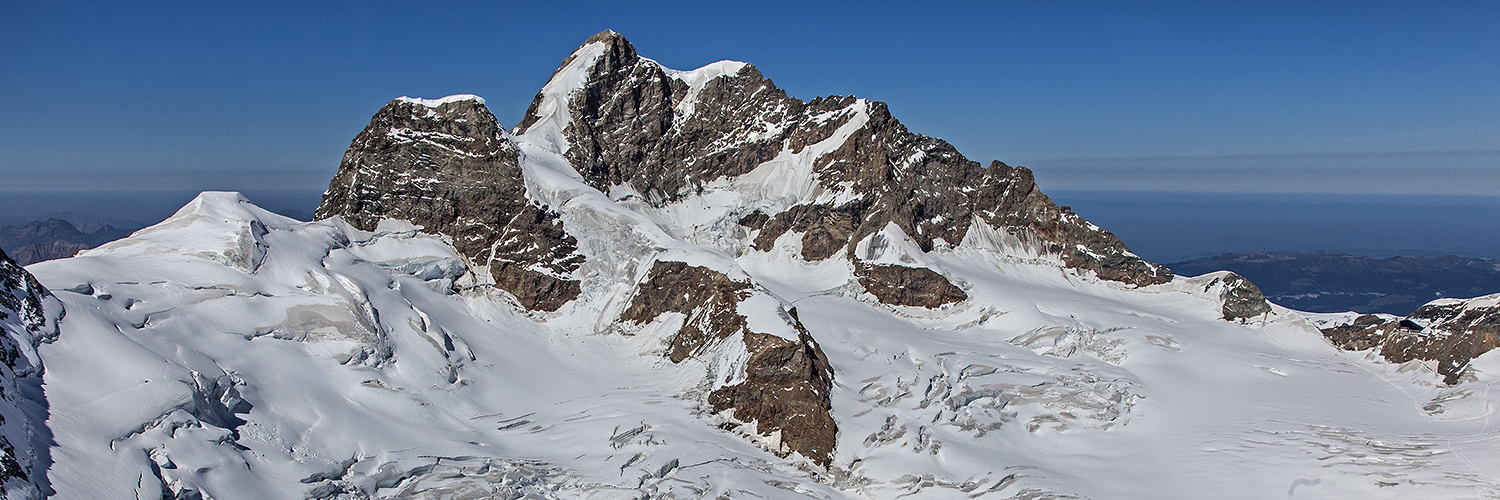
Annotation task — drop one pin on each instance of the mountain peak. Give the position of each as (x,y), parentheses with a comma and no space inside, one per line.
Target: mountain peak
(615,50)
(845,166)
(608,36)
(605,52)
(433,103)
(689,284)
(226,204)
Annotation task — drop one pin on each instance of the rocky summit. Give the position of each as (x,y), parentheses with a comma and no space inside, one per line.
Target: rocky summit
(718,156)
(445,165)
(689,284)
(636,129)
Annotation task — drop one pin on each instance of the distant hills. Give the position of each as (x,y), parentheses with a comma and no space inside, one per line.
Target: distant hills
(53,239)
(1322,282)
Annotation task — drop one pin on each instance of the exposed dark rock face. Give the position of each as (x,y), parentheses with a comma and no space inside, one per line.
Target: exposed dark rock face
(1448,331)
(53,239)
(631,125)
(448,168)
(635,126)
(626,127)
(708,298)
(23,325)
(21,299)
(1241,298)
(786,390)
(787,383)
(909,286)
(825,230)
(1366,332)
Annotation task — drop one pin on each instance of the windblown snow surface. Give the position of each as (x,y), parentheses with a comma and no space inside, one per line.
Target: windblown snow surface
(232,353)
(240,354)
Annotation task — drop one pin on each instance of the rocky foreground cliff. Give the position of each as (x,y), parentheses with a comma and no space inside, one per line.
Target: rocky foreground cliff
(28,317)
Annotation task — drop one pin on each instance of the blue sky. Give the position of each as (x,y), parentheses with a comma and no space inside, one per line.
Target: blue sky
(213,93)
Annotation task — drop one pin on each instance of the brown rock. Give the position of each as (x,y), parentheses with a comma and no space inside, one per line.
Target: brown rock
(1242,299)
(1455,332)
(1367,331)
(708,298)
(625,129)
(787,383)
(786,390)
(825,231)
(449,170)
(909,286)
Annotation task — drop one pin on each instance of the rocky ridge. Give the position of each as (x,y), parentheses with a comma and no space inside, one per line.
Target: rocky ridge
(1242,299)
(448,167)
(28,317)
(715,160)
(231,352)
(656,136)
(785,391)
(1449,332)
(445,166)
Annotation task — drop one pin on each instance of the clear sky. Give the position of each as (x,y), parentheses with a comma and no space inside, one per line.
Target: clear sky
(126,93)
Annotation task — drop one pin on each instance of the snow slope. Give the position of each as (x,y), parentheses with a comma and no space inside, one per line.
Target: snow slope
(236,353)
(229,352)
(240,354)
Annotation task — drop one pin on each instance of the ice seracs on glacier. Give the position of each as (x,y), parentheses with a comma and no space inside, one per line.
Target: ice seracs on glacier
(659,284)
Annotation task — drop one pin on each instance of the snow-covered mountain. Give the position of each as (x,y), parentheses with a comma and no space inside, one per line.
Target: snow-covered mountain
(687,284)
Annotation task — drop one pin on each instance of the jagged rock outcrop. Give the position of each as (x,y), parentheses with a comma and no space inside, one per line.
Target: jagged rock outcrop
(1242,299)
(706,297)
(632,125)
(909,286)
(786,382)
(636,124)
(1448,331)
(785,393)
(445,165)
(28,317)
(835,171)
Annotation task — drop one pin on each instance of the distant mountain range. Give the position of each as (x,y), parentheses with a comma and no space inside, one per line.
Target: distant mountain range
(1322,282)
(53,239)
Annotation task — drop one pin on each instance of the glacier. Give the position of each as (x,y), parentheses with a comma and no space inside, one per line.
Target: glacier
(240,354)
(229,352)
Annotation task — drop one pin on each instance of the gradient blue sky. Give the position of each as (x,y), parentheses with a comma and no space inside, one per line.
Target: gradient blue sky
(211,94)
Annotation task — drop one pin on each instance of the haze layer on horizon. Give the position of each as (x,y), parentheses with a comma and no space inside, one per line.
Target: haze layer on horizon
(112,88)
(1124,111)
